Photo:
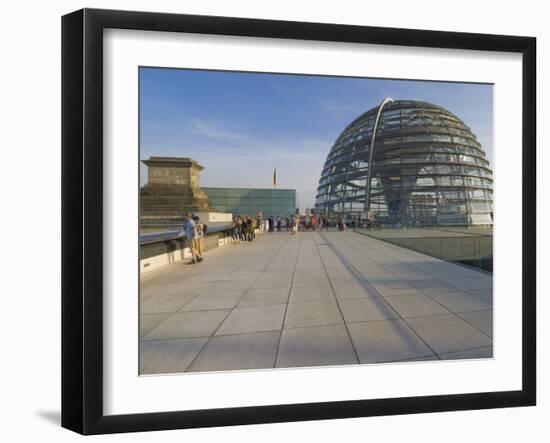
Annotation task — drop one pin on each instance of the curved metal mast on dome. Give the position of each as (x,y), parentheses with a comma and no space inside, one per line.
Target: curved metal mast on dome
(367,190)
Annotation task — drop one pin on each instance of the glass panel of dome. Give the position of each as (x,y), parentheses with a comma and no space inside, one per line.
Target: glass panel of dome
(453,219)
(481,219)
(478,206)
(453,207)
(450,195)
(425,181)
(444,149)
(473,171)
(440,137)
(477,194)
(390,141)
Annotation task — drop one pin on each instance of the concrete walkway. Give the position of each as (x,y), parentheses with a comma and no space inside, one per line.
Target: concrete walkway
(313,299)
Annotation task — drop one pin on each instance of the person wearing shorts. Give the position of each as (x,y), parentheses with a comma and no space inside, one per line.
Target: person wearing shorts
(190,234)
(199,237)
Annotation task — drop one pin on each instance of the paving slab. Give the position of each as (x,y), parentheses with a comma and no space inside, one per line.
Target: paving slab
(389,281)
(466,284)
(164,303)
(168,356)
(207,276)
(415,305)
(386,341)
(390,292)
(312,314)
(277,274)
(367,270)
(485,295)
(315,346)
(242,275)
(485,352)
(424,358)
(229,286)
(211,301)
(486,278)
(483,320)
(188,324)
(147,322)
(340,277)
(432,286)
(307,277)
(263,297)
(367,309)
(243,351)
(253,319)
(460,302)
(311,264)
(413,276)
(351,291)
(173,289)
(448,333)
(311,294)
(272,281)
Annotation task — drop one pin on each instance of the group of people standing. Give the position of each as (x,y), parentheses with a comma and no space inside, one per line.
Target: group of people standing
(343,224)
(310,223)
(295,223)
(244,228)
(277,223)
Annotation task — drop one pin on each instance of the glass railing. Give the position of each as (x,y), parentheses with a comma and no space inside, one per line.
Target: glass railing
(467,245)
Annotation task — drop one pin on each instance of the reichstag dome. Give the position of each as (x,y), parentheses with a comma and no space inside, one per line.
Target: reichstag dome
(426,167)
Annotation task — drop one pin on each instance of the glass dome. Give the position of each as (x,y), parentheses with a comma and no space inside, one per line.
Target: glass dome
(427,169)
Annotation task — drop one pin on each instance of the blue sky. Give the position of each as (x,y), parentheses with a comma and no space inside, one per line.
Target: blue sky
(240,126)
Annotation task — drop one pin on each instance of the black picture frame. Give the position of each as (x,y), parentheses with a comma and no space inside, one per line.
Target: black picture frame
(82,218)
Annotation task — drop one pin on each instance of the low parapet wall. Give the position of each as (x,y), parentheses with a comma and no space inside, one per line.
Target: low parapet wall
(164,251)
(169,247)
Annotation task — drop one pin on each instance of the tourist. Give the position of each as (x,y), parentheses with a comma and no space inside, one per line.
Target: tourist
(287,223)
(190,233)
(278,224)
(241,229)
(251,224)
(260,222)
(199,238)
(235,235)
(244,228)
(340,224)
(295,224)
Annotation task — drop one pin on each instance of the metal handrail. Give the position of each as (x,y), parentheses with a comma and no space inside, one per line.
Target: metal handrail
(155,237)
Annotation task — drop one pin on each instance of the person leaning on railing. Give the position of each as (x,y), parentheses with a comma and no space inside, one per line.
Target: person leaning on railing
(190,228)
(251,226)
(199,238)
(235,227)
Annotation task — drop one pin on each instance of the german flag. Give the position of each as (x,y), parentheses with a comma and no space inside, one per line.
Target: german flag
(275,177)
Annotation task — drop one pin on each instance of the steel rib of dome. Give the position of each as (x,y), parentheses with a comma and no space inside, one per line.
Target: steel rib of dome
(428,169)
